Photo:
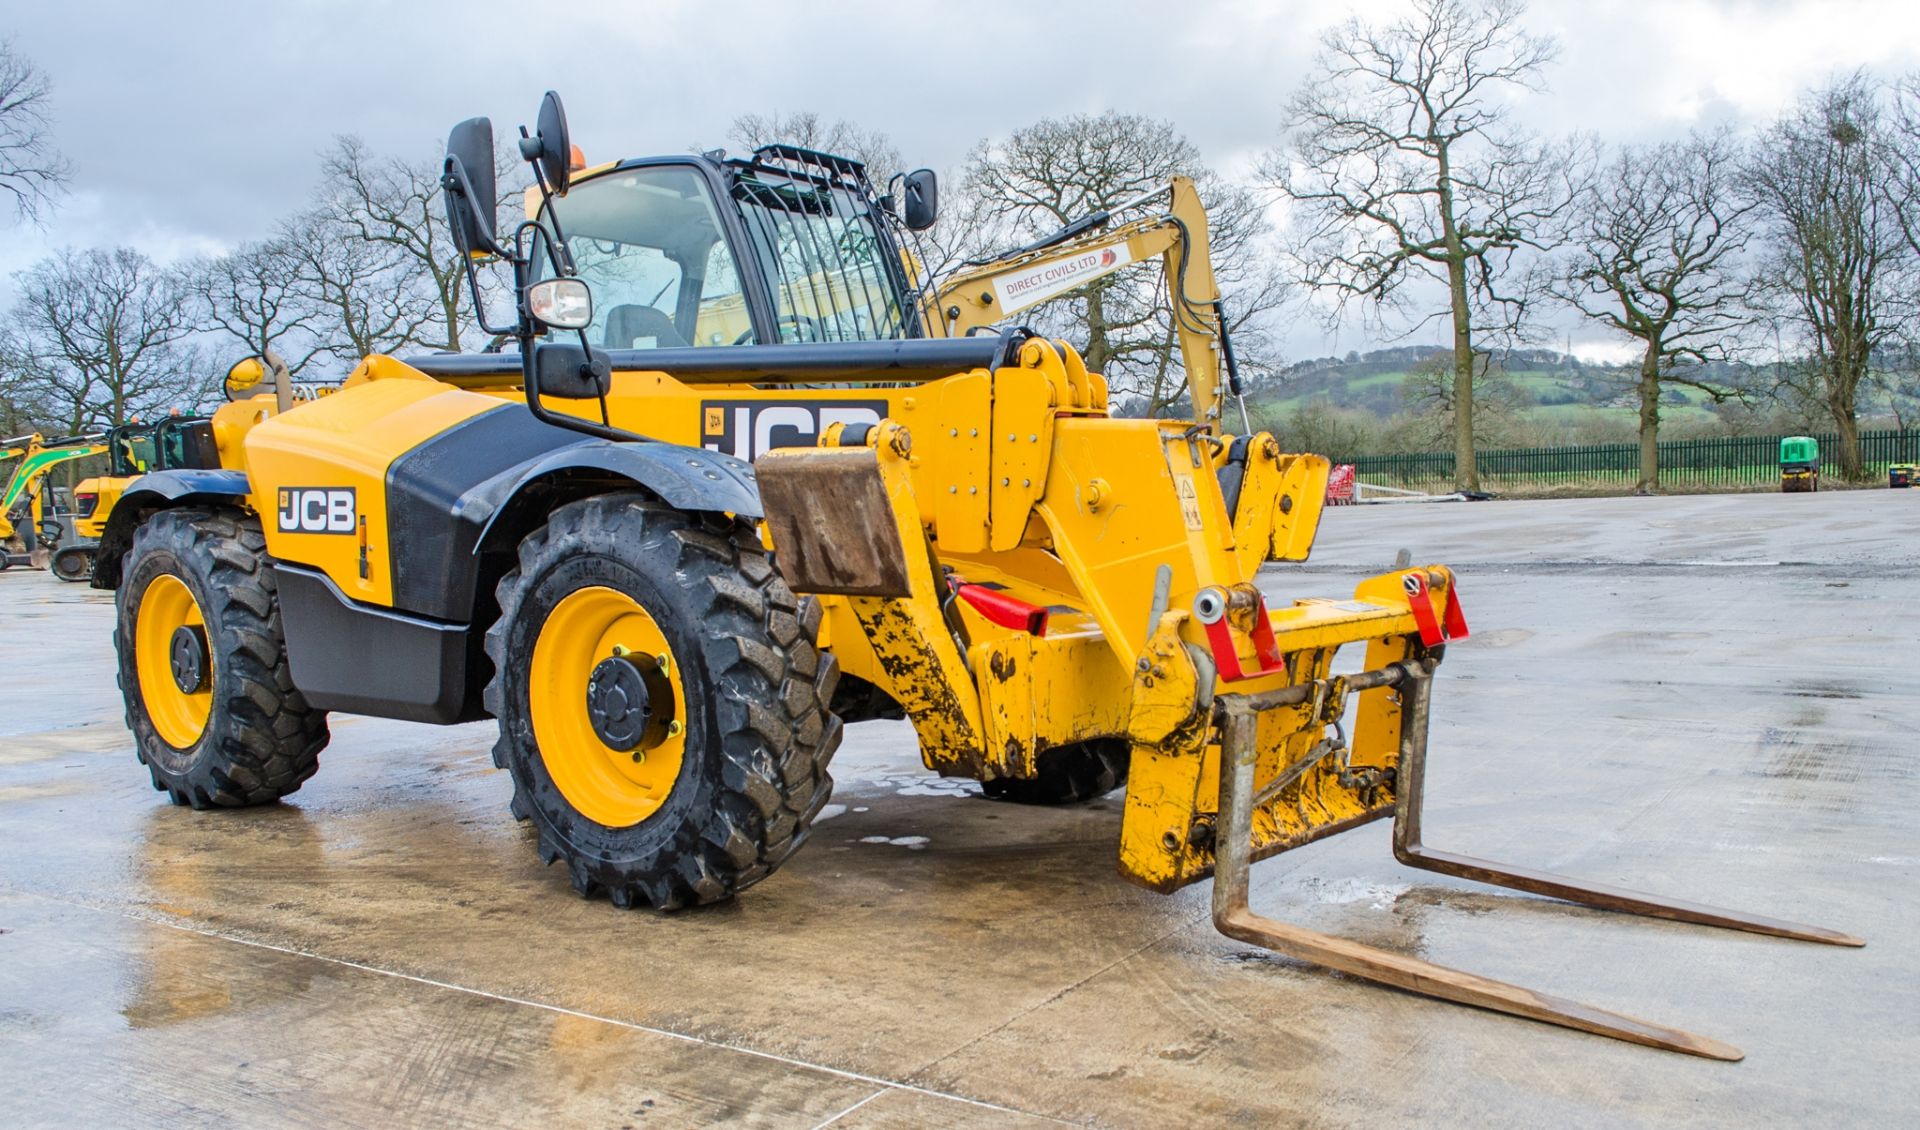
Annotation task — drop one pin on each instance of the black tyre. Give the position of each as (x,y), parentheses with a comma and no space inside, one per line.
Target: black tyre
(203,664)
(1069,774)
(74,563)
(663,710)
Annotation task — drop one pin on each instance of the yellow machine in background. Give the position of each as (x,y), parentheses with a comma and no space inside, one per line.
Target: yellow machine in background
(132,450)
(671,564)
(23,501)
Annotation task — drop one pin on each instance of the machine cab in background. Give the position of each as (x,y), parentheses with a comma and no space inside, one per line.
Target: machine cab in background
(688,252)
(1799,464)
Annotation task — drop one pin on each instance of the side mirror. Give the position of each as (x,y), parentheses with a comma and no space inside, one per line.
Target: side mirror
(467,182)
(243,377)
(550,148)
(570,372)
(922,204)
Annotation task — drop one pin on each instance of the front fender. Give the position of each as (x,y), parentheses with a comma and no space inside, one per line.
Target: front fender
(160,490)
(437,575)
(687,478)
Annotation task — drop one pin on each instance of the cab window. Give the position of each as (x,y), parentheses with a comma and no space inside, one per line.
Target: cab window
(650,244)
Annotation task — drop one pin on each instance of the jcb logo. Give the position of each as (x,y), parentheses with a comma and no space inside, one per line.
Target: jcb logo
(318,510)
(748,429)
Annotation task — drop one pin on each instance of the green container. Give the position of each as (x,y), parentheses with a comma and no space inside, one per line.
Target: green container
(1799,449)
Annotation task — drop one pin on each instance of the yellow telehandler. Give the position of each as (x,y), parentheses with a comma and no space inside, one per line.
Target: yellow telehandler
(747,478)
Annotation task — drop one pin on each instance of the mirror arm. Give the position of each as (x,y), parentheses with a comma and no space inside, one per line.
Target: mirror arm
(530,372)
(480,307)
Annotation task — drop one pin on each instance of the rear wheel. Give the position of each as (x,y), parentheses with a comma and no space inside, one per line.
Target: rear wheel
(203,664)
(662,708)
(1068,775)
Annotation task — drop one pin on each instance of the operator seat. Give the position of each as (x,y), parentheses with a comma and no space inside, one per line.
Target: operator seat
(630,325)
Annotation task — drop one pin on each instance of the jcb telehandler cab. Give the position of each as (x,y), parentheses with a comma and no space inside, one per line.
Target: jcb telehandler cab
(734,490)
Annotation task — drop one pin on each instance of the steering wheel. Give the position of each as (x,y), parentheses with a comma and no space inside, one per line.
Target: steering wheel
(810,328)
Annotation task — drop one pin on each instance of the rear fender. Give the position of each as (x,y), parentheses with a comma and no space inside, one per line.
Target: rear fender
(161,490)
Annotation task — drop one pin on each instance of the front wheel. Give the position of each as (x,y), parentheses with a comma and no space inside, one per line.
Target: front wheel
(663,710)
(203,664)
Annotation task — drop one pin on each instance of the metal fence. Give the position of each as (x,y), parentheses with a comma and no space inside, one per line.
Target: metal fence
(1732,461)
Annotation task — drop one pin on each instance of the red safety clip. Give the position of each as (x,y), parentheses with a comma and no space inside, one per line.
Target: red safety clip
(1210,608)
(1451,624)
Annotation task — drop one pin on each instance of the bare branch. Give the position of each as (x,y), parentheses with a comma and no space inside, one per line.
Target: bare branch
(33,174)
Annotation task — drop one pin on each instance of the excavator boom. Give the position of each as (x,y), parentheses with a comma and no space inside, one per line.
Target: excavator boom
(1172,230)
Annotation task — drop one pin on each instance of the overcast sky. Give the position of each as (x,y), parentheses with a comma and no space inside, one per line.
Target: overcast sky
(194,125)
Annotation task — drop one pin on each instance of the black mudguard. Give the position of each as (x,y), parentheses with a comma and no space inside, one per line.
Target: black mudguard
(485,483)
(160,490)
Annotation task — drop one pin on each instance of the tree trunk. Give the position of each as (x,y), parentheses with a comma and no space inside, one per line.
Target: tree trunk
(449,285)
(1649,420)
(1099,352)
(1466,470)
(1840,403)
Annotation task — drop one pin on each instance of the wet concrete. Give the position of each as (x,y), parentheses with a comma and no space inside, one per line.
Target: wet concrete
(1710,697)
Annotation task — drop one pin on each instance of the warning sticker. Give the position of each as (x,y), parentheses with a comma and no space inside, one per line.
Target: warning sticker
(1189,499)
(1020,289)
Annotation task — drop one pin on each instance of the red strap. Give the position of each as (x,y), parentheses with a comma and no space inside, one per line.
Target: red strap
(1420,601)
(1002,609)
(1227,658)
(1456,619)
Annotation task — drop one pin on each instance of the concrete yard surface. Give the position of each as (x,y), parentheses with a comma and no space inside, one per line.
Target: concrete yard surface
(1713,697)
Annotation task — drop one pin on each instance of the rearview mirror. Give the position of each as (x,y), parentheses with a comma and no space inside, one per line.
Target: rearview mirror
(570,372)
(550,148)
(468,184)
(243,377)
(922,204)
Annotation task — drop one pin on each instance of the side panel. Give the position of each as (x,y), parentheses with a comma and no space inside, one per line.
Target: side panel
(346,656)
(319,475)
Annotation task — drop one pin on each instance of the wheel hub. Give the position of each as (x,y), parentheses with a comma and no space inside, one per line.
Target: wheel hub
(187,655)
(620,703)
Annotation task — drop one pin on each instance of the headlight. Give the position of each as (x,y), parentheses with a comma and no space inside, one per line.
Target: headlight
(562,304)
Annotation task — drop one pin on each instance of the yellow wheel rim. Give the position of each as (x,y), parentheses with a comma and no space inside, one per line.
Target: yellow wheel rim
(179,716)
(615,788)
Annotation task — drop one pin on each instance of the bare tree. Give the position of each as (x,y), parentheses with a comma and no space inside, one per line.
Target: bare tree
(1837,260)
(1059,170)
(356,290)
(808,130)
(396,204)
(23,383)
(32,171)
(1431,392)
(1403,168)
(251,296)
(106,333)
(1657,246)
(1903,155)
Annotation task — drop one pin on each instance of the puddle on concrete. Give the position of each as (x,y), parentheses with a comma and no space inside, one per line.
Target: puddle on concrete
(911,843)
